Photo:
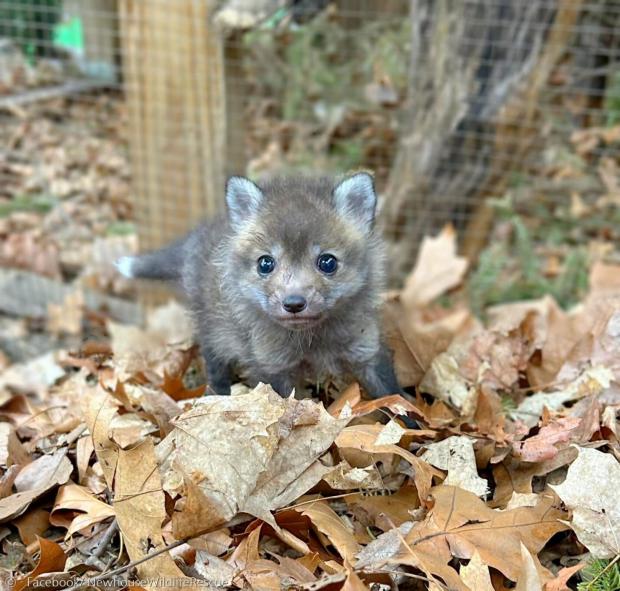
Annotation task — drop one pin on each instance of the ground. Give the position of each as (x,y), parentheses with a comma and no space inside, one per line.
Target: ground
(109,453)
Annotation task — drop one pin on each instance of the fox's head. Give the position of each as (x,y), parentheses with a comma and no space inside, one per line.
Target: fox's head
(302,247)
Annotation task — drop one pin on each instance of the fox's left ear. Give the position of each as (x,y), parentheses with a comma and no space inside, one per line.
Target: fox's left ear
(355,199)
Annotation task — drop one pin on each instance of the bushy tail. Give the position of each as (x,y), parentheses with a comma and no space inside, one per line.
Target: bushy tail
(165,264)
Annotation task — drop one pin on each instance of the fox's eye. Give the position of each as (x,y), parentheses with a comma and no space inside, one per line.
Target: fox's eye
(327,263)
(266,264)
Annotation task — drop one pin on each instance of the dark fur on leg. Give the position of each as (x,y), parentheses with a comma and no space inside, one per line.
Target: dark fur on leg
(218,376)
(379,379)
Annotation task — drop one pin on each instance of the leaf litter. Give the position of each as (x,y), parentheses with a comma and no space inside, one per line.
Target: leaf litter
(262,491)
(113,465)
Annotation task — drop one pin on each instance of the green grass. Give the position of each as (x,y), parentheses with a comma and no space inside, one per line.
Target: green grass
(121,228)
(612,99)
(28,203)
(512,270)
(600,575)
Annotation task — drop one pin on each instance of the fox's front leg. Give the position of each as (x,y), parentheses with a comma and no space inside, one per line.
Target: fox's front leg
(218,374)
(379,379)
(377,376)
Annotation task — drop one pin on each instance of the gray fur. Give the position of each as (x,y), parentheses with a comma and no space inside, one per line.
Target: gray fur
(238,313)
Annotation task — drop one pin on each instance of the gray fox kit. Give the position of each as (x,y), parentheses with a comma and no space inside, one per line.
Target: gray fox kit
(286,287)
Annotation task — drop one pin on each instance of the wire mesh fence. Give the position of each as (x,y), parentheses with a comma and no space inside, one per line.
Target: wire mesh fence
(122,119)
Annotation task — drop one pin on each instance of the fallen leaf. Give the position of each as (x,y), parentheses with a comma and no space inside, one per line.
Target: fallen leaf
(364,438)
(32,525)
(345,477)
(66,318)
(34,376)
(83,507)
(129,429)
(591,382)
(476,574)
(560,583)
(542,446)
(353,583)
(590,491)
(529,579)
(386,511)
(51,559)
(33,481)
(11,450)
(326,521)
(140,511)
(261,453)
(456,455)
(466,524)
(438,269)
(154,349)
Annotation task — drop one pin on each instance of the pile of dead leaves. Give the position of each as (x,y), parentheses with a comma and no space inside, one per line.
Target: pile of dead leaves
(116,470)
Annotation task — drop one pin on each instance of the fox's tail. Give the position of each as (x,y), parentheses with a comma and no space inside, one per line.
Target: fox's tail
(165,264)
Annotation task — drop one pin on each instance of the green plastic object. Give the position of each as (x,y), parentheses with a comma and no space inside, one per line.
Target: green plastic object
(69,35)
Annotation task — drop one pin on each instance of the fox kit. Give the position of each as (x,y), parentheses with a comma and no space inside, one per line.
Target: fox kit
(287,286)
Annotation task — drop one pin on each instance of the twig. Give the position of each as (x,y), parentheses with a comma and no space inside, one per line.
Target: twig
(95,558)
(121,569)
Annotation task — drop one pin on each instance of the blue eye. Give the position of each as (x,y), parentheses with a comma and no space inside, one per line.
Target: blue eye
(327,263)
(266,264)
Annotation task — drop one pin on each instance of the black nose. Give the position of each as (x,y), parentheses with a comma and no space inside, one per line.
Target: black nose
(294,303)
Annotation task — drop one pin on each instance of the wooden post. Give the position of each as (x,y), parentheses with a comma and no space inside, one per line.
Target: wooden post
(173,69)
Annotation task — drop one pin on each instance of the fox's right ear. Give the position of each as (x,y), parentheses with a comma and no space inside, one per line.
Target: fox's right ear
(243,198)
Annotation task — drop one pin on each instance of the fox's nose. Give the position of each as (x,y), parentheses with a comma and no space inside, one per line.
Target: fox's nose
(294,303)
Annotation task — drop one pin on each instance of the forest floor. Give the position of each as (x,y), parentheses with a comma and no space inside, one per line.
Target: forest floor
(114,467)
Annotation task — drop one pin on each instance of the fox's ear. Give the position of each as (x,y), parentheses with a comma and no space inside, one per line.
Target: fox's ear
(355,199)
(243,198)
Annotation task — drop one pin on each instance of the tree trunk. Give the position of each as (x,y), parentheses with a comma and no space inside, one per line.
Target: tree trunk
(477,69)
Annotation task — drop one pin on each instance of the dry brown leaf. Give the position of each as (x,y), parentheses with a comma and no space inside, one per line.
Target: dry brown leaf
(129,429)
(364,438)
(437,270)
(99,408)
(215,571)
(591,382)
(326,520)
(385,511)
(11,449)
(456,455)
(247,551)
(139,498)
(261,453)
(66,318)
(37,375)
(140,511)
(32,251)
(396,403)
(83,507)
(351,396)
(52,559)
(560,583)
(353,583)
(591,492)
(417,336)
(32,525)
(7,479)
(33,481)
(467,525)
(345,477)
(392,548)
(542,446)
(529,579)
(155,349)
(476,574)
(84,451)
